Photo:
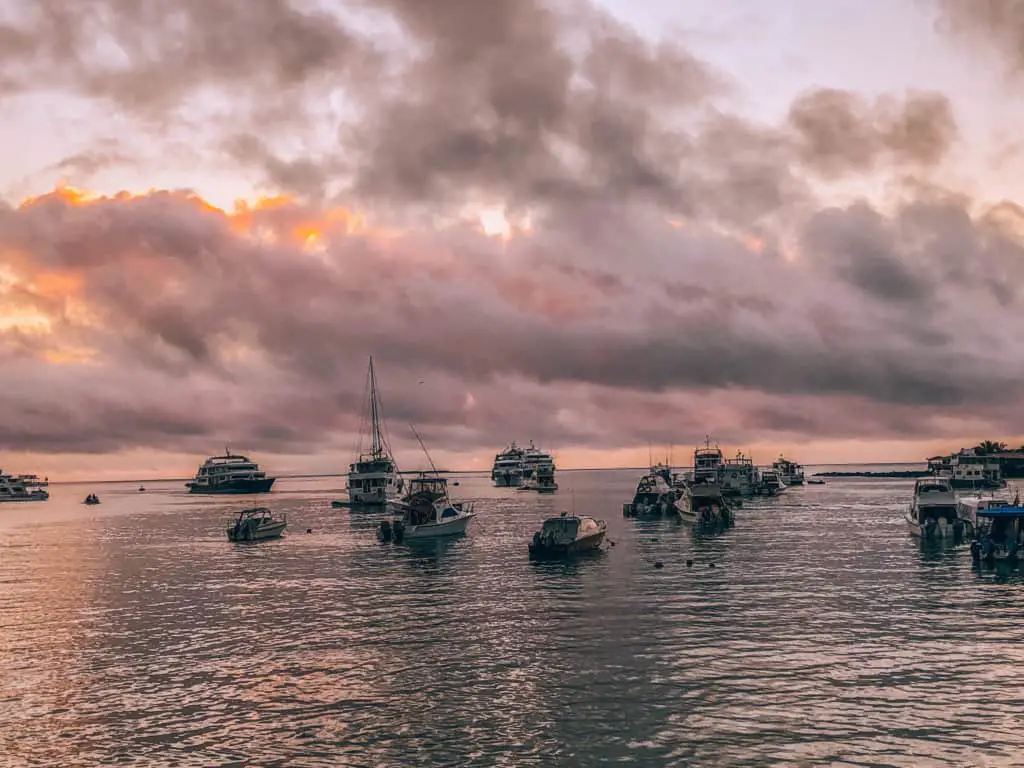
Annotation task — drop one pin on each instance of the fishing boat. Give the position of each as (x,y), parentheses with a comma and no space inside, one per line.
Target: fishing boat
(567,535)
(427,509)
(790,473)
(256,524)
(738,476)
(707,462)
(507,471)
(933,510)
(230,473)
(13,488)
(769,483)
(373,479)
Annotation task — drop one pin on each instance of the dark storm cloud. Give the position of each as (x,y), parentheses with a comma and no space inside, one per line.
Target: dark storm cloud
(210,330)
(840,132)
(987,22)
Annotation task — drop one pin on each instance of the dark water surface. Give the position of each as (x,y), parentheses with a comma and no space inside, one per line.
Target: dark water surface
(133,633)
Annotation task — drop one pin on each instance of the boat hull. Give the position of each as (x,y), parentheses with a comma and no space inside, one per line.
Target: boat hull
(33,497)
(581,545)
(507,480)
(943,528)
(368,498)
(453,526)
(262,533)
(262,485)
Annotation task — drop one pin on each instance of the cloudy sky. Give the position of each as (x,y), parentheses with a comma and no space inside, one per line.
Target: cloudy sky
(601,225)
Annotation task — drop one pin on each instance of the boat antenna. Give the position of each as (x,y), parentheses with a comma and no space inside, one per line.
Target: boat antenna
(376,446)
(425,451)
(650,458)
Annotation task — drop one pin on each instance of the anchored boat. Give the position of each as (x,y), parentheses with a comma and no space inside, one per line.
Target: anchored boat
(256,525)
(230,473)
(655,498)
(1000,536)
(427,510)
(567,535)
(933,511)
(373,479)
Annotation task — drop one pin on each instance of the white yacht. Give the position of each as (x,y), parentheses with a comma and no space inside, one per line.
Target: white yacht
(507,471)
(933,511)
(256,524)
(230,473)
(535,459)
(789,472)
(14,488)
(373,479)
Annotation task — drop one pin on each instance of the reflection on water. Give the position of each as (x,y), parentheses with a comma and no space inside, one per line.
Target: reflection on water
(816,631)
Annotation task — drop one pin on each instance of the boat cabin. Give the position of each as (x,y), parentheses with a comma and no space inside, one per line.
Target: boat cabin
(435,487)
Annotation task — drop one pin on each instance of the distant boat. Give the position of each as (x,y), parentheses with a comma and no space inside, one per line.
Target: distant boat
(790,472)
(91,499)
(230,473)
(507,471)
(142,489)
(13,488)
(373,479)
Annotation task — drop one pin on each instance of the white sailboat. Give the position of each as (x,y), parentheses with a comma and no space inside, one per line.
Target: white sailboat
(373,479)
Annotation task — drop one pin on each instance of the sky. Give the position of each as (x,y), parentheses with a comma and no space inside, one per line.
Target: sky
(610,226)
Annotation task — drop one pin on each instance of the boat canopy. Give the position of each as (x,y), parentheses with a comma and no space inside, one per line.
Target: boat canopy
(1002,512)
(566,525)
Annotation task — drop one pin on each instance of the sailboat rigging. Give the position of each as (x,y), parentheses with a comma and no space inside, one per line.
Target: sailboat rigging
(373,478)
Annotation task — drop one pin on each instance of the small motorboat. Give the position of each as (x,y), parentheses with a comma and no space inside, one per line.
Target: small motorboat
(92,498)
(256,524)
(934,512)
(427,512)
(567,535)
(142,489)
(815,481)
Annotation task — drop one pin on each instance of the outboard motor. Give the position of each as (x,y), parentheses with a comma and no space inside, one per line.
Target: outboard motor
(385,530)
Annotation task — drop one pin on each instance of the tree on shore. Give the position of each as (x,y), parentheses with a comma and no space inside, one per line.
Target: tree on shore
(986,447)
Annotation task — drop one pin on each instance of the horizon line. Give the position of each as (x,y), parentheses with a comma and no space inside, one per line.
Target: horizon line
(308,475)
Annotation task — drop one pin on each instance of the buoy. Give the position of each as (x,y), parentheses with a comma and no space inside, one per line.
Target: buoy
(659,564)
(309,530)
(711,565)
(689,563)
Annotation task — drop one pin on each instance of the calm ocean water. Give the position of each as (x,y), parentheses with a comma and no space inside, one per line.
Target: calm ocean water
(133,633)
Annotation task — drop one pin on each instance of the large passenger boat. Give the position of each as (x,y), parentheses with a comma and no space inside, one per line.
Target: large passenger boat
(230,473)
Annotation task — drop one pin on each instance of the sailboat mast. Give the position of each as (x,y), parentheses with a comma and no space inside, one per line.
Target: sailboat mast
(377,448)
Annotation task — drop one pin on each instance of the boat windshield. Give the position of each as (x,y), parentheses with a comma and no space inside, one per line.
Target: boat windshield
(562,525)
